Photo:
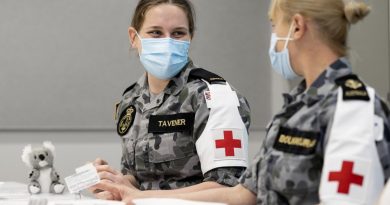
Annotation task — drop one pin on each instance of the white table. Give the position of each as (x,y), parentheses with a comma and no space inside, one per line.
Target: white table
(13,193)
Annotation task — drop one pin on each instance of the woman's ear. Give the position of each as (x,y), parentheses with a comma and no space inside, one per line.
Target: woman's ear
(300,24)
(132,36)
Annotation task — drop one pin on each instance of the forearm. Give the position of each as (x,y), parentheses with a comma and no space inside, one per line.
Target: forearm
(174,192)
(229,195)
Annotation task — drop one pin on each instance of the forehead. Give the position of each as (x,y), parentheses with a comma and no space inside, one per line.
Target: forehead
(167,16)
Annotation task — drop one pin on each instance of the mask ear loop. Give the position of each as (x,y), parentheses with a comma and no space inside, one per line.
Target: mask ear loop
(289,35)
(139,53)
(138,35)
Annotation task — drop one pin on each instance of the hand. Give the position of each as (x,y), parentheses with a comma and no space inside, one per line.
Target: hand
(107,173)
(112,191)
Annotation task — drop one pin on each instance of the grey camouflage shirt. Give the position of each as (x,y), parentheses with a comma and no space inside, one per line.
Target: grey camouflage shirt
(291,175)
(159,134)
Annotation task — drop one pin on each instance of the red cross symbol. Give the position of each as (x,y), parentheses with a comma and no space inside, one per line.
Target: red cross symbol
(228,143)
(346,177)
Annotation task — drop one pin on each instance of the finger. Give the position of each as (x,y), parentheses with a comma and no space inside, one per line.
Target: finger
(94,189)
(105,195)
(99,161)
(108,176)
(102,180)
(106,168)
(113,188)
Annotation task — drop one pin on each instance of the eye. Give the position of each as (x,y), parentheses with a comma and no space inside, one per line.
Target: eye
(35,157)
(178,34)
(155,33)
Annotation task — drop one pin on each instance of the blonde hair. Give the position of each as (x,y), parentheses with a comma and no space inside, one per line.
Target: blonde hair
(332,17)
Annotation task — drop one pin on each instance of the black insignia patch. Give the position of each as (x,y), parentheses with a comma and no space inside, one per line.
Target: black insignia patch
(353,88)
(296,142)
(206,75)
(126,120)
(181,122)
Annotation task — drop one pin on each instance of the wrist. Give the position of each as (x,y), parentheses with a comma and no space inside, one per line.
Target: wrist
(132,181)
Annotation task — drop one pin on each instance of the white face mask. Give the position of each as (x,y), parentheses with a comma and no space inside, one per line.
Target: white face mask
(280,61)
(163,57)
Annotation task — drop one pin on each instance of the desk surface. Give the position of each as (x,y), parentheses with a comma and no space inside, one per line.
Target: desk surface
(13,193)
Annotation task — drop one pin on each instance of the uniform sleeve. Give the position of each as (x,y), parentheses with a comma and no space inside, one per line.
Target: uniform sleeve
(245,111)
(352,169)
(125,167)
(383,141)
(250,177)
(225,175)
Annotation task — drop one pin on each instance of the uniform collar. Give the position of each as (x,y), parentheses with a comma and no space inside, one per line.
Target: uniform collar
(178,82)
(175,85)
(321,86)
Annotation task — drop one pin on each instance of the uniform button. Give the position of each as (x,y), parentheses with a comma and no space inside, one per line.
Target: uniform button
(158,100)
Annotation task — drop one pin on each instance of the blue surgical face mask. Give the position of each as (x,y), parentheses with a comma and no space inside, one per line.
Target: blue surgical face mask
(163,57)
(280,61)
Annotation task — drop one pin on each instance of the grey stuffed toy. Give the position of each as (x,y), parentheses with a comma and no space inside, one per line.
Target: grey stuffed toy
(43,177)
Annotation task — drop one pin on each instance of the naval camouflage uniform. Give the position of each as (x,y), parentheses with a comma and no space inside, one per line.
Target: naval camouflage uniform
(159,132)
(286,173)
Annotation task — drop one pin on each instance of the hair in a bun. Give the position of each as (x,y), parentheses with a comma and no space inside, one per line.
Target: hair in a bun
(355,11)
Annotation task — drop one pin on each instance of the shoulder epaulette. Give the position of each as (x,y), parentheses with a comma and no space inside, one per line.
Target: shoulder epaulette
(210,77)
(129,88)
(353,88)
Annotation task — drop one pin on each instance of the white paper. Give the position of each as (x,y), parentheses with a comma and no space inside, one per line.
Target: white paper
(85,177)
(165,201)
(85,167)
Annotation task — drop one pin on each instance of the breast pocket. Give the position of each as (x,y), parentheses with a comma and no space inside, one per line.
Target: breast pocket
(170,147)
(296,174)
(296,164)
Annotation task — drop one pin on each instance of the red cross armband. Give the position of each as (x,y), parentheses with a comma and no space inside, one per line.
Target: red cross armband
(352,172)
(224,140)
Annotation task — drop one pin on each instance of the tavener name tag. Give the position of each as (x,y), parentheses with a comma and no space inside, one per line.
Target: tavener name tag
(181,122)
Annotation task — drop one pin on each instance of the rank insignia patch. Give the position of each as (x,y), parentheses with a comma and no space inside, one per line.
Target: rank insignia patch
(353,88)
(353,84)
(126,120)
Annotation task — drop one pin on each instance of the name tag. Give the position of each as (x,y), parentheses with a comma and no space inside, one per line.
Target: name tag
(182,122)
(296,142)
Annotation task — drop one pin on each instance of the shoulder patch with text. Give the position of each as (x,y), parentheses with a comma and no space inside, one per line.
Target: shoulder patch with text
(353,88)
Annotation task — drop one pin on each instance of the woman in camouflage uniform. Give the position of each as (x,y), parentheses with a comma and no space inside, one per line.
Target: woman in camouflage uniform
(329,144)
(181,126)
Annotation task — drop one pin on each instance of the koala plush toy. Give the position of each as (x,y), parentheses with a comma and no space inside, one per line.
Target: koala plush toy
(43,177)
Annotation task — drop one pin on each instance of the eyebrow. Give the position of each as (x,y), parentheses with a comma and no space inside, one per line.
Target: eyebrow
(176,28)
(182,28)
